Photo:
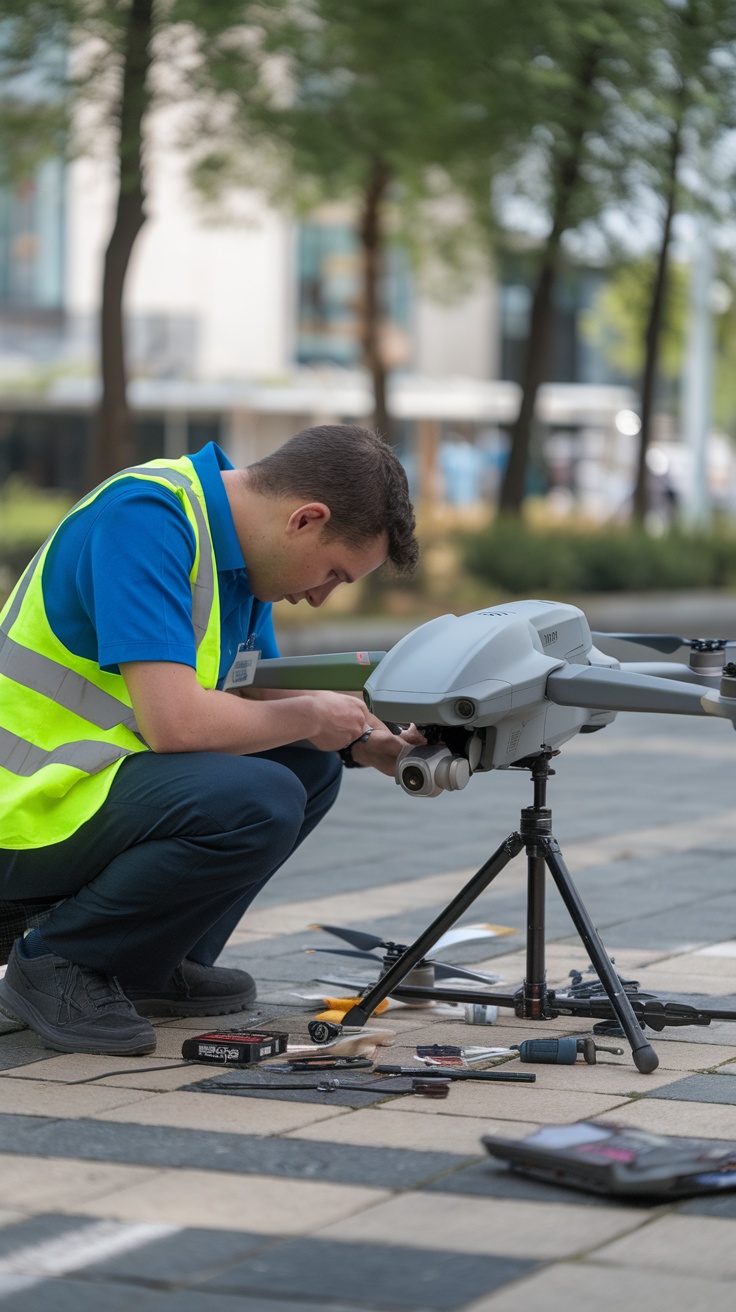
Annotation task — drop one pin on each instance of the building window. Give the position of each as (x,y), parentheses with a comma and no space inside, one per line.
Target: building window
(330,294)
(32,241)
(573,358)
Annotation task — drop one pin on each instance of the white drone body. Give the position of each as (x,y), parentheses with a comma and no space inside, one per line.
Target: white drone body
(519,679)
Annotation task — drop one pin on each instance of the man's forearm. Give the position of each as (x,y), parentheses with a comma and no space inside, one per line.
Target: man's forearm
(175,714)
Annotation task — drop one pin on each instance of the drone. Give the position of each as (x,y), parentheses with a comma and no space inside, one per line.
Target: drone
(505,688)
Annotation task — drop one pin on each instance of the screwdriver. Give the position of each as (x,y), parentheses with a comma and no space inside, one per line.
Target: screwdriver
(518,1077)
(561,1052)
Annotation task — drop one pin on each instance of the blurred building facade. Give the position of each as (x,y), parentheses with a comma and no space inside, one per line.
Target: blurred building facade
(246,328)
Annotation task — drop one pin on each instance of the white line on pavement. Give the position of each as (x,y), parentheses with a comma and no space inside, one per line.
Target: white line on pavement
(73,1250)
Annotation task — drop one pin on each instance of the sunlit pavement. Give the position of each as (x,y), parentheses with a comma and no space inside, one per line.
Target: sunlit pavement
(138,1190)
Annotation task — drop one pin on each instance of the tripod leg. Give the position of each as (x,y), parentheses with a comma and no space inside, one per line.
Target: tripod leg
(534,988)
(645,1058)
(359,1014)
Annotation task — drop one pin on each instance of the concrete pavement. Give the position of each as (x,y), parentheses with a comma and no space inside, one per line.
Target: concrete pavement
(146,1189)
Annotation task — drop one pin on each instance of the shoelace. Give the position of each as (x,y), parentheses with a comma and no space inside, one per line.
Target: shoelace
(101,989)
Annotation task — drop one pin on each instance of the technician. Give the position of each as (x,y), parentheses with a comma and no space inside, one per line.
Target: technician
(137,797)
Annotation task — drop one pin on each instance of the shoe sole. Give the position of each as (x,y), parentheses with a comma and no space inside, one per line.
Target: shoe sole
(19,1009)
(191,1007)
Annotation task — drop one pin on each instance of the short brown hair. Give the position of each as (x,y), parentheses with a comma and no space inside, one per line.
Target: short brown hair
(354,472)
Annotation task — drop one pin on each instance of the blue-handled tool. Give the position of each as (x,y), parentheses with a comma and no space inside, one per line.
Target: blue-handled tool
(561,1052)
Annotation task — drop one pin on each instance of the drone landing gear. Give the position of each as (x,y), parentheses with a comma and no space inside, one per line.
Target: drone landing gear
(534,1001)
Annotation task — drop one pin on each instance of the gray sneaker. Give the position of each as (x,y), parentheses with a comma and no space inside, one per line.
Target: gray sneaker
(73,1008)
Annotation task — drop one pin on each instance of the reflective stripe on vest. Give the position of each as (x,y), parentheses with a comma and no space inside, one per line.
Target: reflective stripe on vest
(71,690)
(22,758)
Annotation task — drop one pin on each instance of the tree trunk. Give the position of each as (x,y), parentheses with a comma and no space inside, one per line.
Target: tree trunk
(536,366)
(535,372)
(372,241)
(113,442)
(653,331)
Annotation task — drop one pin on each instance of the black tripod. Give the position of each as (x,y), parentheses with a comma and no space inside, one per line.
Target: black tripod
(609,1000)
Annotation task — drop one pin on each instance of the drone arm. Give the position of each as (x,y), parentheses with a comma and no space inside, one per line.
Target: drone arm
(671,670)
(604,689)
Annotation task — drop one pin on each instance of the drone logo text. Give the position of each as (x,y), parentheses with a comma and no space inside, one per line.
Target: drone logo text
(549,637)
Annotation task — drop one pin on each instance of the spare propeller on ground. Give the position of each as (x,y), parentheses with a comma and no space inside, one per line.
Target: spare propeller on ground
(363,943)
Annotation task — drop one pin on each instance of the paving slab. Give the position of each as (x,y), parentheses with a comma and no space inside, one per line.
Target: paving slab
(220,1201)
(222,1114)
(692,1245)
(75,1296)
(702,1120)
(169,1146)
(37,1184)
(516,1102)
(498,1225)
(698,1088)
(690,1054)
(115,1072)
(564,1286)
(187,1256)
(37,1098)
(375,1276)
(383,1127)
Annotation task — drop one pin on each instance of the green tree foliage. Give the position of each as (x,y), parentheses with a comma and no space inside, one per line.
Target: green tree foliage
(372,104)
(616,324)
(33,85)
(685,110)
(55,54)
(573,163)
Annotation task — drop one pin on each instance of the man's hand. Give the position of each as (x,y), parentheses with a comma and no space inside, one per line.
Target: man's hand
(383,747)
(344,718)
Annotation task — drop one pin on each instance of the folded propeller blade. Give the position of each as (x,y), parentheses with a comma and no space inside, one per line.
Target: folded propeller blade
(443,970)
(348,952)
(664,642)
(357,937)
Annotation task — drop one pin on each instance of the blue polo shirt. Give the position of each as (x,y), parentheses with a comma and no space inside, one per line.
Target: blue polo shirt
(116,578)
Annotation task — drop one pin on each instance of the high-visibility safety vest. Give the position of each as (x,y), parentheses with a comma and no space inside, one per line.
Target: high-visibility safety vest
(66,726)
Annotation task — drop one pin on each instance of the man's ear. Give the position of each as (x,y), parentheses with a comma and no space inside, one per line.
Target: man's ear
(314,515)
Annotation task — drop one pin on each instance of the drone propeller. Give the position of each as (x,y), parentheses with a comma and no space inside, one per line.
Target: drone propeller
(442,969)
(343,671)
(669,642)
(346,952)
(358,938)
(363,941)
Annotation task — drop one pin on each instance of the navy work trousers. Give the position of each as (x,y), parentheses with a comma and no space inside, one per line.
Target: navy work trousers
(173,858)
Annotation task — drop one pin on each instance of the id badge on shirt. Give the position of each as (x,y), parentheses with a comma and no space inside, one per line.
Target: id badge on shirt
(243,669)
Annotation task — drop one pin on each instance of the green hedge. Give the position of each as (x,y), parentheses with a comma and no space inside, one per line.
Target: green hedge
(524,561)
(27,516)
